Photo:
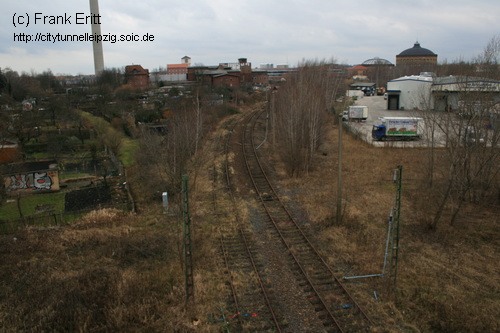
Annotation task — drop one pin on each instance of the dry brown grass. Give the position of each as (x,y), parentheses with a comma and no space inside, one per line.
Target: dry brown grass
(109,272)
(119,272)
(448,280)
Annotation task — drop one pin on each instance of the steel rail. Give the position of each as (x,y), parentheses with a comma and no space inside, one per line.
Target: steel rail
(263,291)
(265,199)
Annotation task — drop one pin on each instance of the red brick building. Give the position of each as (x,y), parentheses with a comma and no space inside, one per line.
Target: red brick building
(229,75)
(358,71)
(226,80)
(9,152)
(416,60)
(137,77)
(260,77)
(177,69)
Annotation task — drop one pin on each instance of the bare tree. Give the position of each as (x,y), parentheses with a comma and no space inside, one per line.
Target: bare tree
(430,135)
(300,107)
(470,136)
(166,154)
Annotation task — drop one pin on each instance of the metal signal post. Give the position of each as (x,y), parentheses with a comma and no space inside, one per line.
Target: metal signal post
(339,174)
(398,176)
(188,257)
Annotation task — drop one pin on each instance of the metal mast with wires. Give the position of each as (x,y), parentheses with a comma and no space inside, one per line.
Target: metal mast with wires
(396,220)
(188,248)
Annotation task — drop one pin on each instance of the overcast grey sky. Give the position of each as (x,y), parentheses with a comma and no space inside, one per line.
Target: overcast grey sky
(263,31)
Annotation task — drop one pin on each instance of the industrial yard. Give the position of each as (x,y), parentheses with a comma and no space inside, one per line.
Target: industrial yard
(377,106)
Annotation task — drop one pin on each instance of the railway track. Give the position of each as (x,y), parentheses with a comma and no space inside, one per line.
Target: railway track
(251,302)
(249,308)
(256,301)
(335,307)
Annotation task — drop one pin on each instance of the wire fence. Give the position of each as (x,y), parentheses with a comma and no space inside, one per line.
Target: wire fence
(51,218)
(39,220)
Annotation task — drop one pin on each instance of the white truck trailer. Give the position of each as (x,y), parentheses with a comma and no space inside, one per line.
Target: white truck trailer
(398,128)
(355,113)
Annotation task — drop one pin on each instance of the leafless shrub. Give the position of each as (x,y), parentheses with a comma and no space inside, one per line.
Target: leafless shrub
(162,158)
(300,108)
(468,130)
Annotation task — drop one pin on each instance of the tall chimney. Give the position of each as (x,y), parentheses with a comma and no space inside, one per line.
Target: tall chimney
(96,29)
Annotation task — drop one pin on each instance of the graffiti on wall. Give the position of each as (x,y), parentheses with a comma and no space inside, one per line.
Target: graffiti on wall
(30,181)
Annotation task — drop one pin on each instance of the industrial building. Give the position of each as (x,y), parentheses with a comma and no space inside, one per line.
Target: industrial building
(416,55)
(415,60)
(426,92)
(448,91)
(409,92)
(137,77)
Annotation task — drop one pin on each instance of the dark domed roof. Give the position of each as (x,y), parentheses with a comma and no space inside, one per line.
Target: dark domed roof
(377,61)
(416,51)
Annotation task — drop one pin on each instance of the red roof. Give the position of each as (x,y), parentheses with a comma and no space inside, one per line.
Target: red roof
(135,69)
(172,66)
(359,67)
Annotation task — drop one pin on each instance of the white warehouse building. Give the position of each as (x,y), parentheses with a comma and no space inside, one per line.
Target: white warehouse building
(409,93)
